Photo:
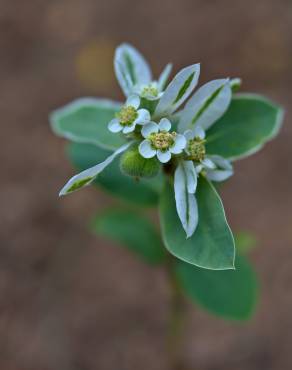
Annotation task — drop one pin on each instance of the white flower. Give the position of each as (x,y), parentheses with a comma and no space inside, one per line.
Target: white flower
(159,141)
(129,116)
(151,91)
(215,167)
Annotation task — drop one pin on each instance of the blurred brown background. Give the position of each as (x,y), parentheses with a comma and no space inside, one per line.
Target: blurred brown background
(71,301)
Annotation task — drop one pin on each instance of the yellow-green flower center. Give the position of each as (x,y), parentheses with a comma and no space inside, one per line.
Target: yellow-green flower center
(196,149)
(127,115)
(162,140)
(149,91)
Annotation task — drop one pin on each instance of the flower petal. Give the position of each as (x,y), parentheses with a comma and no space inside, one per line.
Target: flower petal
(189,134)
(149,129)
(199,132)
(179,144)
(133,101)
(163,156)
(115,126)
(143,117)
(128,129)
(164,124)
(146,150)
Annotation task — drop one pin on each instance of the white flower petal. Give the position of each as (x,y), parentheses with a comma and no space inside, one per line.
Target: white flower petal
(164,77)
(164,124)
(179,144)
(86,177)
(128,129)
(189,134)
(186,204)
(133,101)
(146,150)
(143,117)
(163,156)
(199,132)
(149,129)
(115,126)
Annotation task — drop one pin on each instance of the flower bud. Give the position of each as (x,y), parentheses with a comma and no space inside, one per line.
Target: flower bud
(133,164)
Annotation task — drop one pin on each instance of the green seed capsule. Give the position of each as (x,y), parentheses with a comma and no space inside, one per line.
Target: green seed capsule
(133,164)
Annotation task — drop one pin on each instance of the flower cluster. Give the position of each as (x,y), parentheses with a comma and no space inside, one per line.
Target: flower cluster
(150,121)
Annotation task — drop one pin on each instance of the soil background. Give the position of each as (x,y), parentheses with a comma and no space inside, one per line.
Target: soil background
(72,301)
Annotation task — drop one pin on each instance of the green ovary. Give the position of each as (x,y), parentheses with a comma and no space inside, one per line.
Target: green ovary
(127,115)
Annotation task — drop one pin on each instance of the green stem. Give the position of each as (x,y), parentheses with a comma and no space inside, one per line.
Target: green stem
(176,319)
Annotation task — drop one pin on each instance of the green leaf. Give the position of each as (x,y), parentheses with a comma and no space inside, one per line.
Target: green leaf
(231,294)
(248,124)
(132,231)
(244,241)
(144,192)
(212,244)
(85,121)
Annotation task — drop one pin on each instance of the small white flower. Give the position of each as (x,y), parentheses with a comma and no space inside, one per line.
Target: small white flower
(215,167)
(149,92)
(159,141)
(129,116)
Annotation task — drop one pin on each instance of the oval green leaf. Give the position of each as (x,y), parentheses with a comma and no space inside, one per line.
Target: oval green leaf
(248,124)
(132,231)
(212,244)
(144,192)
(231,294)
(85,120)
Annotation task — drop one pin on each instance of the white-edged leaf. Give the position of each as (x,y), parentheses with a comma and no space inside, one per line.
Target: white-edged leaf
(191,176)
(207,105)
(223,170)
(186,204)
(162,81)
(85,120)
(86,177)
(178,90)
(131,68)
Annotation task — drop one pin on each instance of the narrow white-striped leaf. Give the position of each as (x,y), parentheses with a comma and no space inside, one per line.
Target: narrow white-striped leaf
(186,204)
(178,90)
(207,105)
(162,81)
(86,177)
(223,170)
(131,68)
(191,176)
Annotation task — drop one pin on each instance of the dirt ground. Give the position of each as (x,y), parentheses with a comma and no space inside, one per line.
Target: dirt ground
(71,301)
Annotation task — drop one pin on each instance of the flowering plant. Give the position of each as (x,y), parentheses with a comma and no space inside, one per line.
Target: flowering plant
(171,152)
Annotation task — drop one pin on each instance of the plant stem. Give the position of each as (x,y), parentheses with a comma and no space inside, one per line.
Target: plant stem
(176,319)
